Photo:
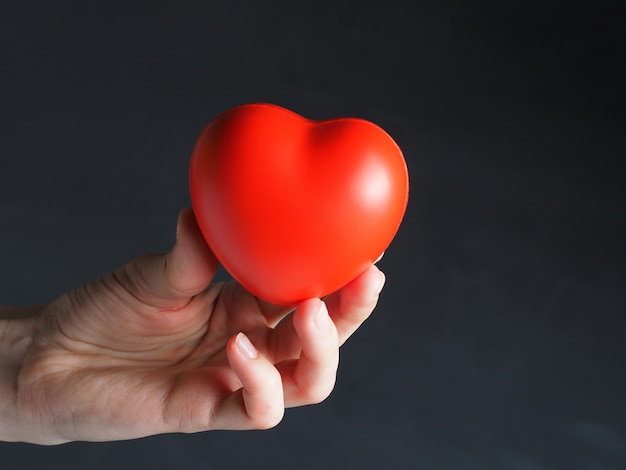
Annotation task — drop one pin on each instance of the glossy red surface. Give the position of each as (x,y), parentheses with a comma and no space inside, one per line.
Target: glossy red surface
(295,208)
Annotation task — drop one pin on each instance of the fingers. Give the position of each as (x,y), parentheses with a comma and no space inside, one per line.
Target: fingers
(169,280)
(259,403)
(266,390)
(348,307)
(310,378)
(296,363)
(353,304)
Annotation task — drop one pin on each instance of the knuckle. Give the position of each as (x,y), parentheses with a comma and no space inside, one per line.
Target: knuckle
(268,410)
(319,393)
(268,418)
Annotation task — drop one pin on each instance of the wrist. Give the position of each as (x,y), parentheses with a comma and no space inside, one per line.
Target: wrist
(16,332)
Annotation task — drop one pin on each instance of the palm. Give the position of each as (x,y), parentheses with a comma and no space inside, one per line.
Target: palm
(140,373)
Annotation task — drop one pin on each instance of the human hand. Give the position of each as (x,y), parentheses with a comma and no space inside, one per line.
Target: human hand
(155,348)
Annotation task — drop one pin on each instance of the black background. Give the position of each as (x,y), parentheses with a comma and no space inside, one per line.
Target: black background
(499,341)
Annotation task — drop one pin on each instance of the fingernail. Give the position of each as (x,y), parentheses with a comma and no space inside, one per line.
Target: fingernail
(322,319)
(380,257)
(246,347)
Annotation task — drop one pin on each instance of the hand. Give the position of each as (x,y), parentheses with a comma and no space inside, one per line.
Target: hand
(155,348)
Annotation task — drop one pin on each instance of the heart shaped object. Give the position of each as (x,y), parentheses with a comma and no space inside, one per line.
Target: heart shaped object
(295,208)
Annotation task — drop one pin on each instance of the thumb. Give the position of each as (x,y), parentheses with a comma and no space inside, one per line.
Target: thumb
(170,280)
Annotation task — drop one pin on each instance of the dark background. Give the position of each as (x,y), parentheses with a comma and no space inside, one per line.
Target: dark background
(499,341)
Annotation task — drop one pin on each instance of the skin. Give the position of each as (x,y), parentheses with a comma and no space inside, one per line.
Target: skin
(155,347)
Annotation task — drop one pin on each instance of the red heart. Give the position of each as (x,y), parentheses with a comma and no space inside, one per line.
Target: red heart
(295,208)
